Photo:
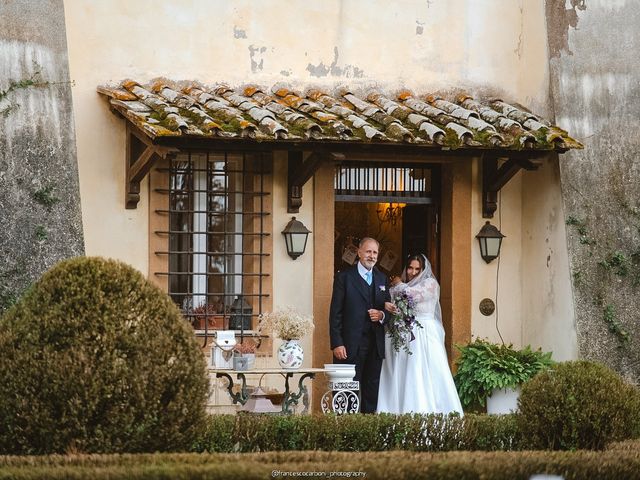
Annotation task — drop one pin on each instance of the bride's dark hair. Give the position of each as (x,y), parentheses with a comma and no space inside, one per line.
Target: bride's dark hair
(418,257)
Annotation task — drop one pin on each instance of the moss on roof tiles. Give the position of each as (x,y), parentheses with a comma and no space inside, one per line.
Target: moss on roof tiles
(360,134)
(164,120)
(542,140)
(485,138)
(298,130)
(379,117)
(383,119)
(199,121)
(397,131)
(232,127)
(232,122)
(451,139)
(401,113)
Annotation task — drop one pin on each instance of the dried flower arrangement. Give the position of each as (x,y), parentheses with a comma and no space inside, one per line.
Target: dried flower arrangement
(286,323)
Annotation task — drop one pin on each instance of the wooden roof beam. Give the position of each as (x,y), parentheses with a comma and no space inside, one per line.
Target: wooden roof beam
(140,157)
(300,171)
(494,178)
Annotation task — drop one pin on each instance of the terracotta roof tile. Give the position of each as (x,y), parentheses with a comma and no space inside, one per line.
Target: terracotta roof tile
(166,108)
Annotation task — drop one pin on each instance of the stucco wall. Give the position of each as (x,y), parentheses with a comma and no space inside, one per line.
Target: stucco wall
(596,94)
(415,43)
(499,280)
(292,279)
(548,317)
(40,220)
(496,46)
(531,277)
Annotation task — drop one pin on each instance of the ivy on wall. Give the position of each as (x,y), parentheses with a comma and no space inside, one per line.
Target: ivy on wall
(12,278)
(34,81)
(616,268)
(8,279)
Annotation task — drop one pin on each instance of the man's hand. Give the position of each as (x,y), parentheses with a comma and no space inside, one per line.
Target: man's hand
(375,315)
(340,353)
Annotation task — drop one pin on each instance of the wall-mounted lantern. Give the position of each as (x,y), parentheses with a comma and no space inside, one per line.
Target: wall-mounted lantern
(490,240)
(295,236)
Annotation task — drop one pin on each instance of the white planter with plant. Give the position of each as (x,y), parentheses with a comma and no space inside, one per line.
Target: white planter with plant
(244,355)
(291,326)
(503,400)
(484,367)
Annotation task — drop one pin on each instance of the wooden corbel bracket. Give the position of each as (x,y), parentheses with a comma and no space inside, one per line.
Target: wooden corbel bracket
(300,171)
(495,177)
(141,155)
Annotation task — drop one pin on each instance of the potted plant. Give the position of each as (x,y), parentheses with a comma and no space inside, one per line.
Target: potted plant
(493,372)
(244,355)
(205,316)
(289,325)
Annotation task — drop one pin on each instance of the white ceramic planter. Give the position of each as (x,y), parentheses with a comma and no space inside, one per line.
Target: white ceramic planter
(503,401)
(340,372)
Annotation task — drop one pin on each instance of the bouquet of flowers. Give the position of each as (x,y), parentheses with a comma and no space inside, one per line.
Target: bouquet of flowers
(400,327)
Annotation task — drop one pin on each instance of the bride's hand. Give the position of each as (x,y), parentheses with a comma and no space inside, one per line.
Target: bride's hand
(395,280)
(390,307)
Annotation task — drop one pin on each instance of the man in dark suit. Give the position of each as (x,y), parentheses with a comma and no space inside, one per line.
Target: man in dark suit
(356,320)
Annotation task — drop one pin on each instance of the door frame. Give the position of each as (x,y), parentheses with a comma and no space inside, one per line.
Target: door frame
(456,240)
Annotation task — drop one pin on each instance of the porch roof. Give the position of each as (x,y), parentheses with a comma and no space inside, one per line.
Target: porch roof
(174,113)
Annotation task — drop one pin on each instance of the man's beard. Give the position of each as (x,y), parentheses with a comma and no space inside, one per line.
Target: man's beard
(368,263)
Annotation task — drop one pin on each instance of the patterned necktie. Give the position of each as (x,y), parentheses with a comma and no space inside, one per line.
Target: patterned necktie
(367,277)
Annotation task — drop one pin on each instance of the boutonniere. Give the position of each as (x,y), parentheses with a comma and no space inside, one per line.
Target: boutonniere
(383,288)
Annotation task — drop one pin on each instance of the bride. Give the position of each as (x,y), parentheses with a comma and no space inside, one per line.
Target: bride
(419,382)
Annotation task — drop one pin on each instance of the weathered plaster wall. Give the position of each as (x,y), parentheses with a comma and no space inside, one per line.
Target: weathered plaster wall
(596,94)
(499,280)
(413,43)
(40,221)
(531,278)
(547,313)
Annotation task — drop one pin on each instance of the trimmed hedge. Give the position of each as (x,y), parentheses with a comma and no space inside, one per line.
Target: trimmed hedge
(94,358)
(613,464)
(351,433)
(578,405)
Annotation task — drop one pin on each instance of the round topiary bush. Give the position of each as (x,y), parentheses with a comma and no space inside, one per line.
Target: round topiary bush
(94,358)
(577,405)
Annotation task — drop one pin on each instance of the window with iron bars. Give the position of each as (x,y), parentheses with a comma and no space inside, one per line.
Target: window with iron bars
(373,183)
(216,231)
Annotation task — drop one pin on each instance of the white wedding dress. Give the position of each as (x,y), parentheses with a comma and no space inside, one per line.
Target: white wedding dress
(419,382)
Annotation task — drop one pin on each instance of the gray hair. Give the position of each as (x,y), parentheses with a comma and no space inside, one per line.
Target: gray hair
(368,239)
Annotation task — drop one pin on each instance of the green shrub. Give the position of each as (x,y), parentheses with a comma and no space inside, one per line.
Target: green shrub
(491,432)
(632,445)
(606,465)
(357,433)
(94,358)
(578,404)
(217,435)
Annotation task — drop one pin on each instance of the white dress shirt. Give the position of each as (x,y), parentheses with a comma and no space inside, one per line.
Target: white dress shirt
(362,270)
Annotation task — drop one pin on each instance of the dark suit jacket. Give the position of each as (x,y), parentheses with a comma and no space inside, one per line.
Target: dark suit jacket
(349,304)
